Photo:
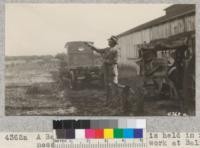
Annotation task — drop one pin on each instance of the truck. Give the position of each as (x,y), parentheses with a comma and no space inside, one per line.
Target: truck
(84,65)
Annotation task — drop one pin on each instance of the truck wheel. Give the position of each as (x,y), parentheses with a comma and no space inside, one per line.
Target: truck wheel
(72,80)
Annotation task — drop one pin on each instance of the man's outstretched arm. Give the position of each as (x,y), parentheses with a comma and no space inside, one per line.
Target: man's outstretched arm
(96,49)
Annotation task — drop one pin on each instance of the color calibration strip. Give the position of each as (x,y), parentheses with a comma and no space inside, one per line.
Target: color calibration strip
(99,129)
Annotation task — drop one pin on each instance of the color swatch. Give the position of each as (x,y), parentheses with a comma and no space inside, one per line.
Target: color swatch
(90,133)
(128,133)
(108,134)
(99,134)
(118,133)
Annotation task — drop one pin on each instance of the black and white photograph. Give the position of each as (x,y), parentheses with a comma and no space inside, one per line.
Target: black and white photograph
(100,59)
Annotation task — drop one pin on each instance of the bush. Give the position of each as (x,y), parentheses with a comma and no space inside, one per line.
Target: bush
(61,56)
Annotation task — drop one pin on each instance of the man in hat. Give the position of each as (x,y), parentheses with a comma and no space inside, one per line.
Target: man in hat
(110,69)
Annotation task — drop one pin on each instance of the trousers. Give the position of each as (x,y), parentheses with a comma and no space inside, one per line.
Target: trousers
(110,78)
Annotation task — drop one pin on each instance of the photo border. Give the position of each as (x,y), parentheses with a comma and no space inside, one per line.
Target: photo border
(44,123)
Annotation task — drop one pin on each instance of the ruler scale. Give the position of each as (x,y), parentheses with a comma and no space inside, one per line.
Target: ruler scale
(102,145)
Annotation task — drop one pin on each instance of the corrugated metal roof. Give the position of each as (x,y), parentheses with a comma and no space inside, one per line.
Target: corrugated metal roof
(179,8)
(172,12)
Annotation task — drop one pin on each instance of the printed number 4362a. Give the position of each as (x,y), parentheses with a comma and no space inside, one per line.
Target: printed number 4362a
(15,137)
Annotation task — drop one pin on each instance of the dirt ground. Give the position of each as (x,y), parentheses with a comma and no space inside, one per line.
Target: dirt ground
(30,90)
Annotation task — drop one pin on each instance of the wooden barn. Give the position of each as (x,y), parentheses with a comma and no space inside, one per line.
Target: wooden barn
(178,20)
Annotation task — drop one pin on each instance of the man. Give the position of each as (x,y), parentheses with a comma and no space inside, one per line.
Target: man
(110,69)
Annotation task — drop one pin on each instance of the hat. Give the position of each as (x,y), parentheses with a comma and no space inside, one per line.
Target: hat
(114,38)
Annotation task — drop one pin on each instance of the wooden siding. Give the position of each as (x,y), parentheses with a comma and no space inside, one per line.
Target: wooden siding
(128,43)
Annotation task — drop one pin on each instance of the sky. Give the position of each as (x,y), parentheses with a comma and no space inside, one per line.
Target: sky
(40,29)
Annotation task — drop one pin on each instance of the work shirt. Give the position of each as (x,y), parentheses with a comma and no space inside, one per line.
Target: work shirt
(110,60)
(110,55)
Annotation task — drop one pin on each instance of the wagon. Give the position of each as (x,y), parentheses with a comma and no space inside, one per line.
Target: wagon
(168,68)
(84,65)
